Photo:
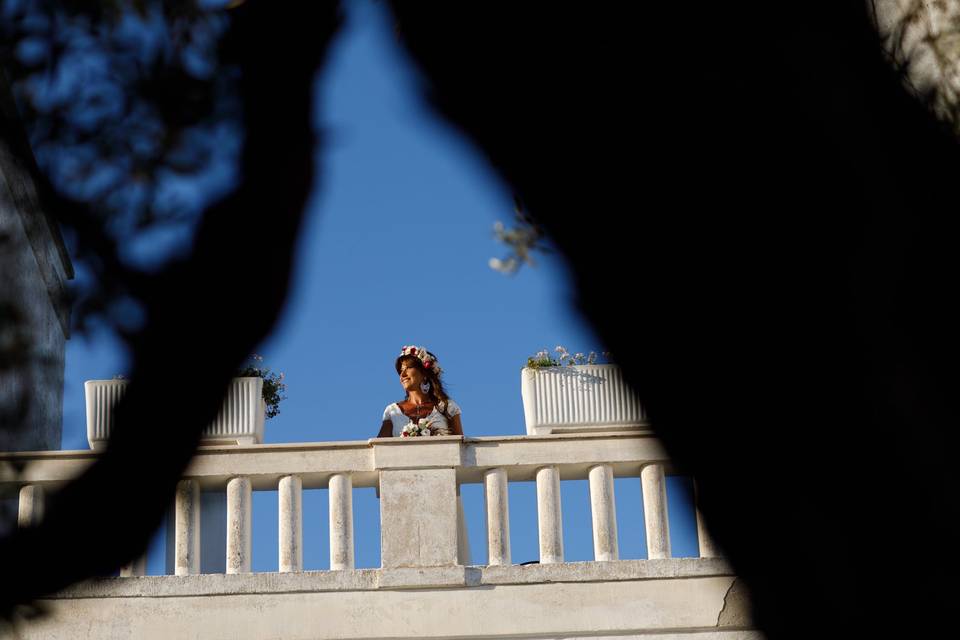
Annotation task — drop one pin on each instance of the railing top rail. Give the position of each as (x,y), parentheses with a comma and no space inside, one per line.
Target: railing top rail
(315,462)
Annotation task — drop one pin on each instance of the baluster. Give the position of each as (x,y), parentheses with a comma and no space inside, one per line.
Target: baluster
(30,510)
(495,495)
(604,510)
(187,528)
(463,542)
(136,567)
(549,518)
(707,547)
(239,512)
(655,511)
(291,523)
(341,521)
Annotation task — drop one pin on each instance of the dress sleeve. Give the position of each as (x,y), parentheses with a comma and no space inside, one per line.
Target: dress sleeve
(388,411)
(453,408)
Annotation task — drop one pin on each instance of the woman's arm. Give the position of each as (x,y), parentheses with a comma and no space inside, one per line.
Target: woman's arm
(456,429)
(386,430)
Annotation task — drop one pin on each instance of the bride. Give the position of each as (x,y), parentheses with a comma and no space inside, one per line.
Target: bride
(426,404)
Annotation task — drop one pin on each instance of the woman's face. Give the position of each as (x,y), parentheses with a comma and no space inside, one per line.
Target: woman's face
(410,376)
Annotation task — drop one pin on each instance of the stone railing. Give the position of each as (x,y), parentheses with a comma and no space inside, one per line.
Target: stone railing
(418,482)
(423,545)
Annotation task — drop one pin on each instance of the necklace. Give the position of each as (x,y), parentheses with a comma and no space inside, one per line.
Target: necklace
(417,414)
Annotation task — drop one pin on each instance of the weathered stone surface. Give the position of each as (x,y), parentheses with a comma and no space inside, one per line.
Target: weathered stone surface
(549,515)
(414,578)
(418,518)
(341,522)
(300,610)
(605,571)
(656,518)
(290,511)
(239,525)
(419,453)
(737,610)
(603,510)
(187,528)
(496,496)
(425,577)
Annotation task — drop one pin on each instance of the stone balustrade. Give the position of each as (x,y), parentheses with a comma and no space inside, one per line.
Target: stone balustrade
(424,549)
(418,483)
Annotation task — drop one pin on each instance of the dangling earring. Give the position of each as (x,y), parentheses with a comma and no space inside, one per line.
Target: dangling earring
(425,387)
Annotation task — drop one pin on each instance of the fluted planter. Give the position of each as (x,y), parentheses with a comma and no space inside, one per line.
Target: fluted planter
(240,420)
(579,398)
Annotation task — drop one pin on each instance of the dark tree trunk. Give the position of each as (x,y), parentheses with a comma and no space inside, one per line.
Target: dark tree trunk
(753,212)
(198,315)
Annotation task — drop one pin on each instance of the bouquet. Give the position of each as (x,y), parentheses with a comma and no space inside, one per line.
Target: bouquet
(425,427)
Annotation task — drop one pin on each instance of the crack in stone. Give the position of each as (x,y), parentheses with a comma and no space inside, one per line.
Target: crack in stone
(724,607)
(737,607)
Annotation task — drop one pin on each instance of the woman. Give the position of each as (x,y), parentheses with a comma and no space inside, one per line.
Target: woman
(420,378)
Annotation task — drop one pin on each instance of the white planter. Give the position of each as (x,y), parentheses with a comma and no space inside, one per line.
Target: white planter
(240,420)
(577,399)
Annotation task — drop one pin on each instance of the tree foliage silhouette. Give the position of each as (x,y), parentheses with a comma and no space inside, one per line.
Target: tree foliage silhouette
(185,303)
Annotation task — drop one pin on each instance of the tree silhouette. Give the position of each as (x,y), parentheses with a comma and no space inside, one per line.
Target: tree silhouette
(757,178)
(190,303)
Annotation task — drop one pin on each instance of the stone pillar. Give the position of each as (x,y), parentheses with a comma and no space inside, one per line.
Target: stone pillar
(239,513)
(290,493)
(187,528)
(604,511)
(213,542)
(655,511)
(463,541)
(549,517)
(418,517)
(707,547)
(30,511)
(495,495)
(341,521)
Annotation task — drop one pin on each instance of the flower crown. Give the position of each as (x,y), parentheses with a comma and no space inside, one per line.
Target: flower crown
(428,360)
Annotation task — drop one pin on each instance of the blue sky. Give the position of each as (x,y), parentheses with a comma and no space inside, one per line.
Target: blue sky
(395,251)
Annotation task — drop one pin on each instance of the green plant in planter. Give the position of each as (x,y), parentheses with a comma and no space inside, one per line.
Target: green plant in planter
(542,359)
(273,385)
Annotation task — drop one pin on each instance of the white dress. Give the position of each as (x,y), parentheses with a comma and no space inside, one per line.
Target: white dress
(399,421)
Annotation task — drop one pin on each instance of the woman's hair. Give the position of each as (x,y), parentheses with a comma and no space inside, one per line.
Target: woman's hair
(437,392)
